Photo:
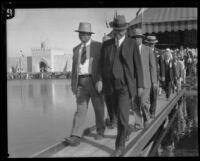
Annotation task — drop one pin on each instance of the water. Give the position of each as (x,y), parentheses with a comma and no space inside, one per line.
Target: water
(40,114)
(182,137)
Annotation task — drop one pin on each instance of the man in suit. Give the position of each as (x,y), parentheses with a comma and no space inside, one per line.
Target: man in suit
(86,84)
(110,100)
(142,114)
(179,72)
(120,66)
(169,74)
(151,41)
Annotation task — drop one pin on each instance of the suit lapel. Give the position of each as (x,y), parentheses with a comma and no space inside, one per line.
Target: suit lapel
(111,51)
(77,57)
(124,48)
(92,49)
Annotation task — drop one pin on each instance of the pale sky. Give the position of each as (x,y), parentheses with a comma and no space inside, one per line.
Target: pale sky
(30,27)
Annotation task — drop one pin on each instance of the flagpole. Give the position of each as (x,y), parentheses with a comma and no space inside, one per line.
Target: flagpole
(142,20)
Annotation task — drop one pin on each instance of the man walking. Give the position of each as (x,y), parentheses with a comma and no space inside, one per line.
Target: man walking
(110,100)
(121,75)
(151,41)
(149,79)
(86,84)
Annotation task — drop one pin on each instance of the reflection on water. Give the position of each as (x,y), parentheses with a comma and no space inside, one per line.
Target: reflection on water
(40,114)
(182,137)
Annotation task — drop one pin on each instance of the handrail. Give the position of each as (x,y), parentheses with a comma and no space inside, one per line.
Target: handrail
(136,145)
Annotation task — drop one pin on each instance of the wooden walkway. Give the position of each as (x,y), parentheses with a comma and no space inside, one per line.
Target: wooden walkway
(89,147)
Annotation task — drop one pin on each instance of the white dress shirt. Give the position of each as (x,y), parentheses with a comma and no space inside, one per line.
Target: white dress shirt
(120,41)
(85,68)
(140,48)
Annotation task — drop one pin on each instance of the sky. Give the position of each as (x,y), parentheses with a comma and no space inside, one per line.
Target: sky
(57,27)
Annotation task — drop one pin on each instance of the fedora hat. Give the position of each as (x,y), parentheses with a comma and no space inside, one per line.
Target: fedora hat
(84,27)
(137,32)
(151,39)
(119,23)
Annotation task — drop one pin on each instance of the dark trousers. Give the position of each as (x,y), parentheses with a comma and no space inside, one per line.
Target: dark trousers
(168,88)
(123,106)
(111,105)
(141,112)
(153,99)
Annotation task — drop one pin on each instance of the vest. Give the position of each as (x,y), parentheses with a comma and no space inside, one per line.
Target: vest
(118,71)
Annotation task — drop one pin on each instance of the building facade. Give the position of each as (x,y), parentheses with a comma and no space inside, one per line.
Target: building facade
(43,59)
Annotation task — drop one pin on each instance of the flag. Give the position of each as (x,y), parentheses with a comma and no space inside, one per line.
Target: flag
(138,12)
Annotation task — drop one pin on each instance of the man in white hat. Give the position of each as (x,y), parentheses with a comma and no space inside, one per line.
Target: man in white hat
(86,84)
(149,78)
(159,60)
(122,76)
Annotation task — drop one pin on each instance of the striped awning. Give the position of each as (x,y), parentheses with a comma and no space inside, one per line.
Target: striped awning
(166,19)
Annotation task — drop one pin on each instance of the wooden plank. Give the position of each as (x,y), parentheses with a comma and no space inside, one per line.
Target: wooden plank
(105,147)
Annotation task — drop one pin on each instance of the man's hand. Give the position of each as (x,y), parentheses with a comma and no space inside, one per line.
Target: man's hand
(155,85)
(140,91)
(99,86)
(162,78)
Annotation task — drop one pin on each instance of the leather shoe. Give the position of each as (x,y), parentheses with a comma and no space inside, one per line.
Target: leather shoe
(137,127)
(128,134)
(99,136)
(73,140)
(119,152)
(87,132)
(110,125)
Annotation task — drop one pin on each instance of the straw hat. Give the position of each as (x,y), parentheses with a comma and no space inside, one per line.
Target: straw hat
(151,40)
(84,27)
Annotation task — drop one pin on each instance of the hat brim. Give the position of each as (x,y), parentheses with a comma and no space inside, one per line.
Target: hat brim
(124,27)
(120,28)
(151,42)
(84,31)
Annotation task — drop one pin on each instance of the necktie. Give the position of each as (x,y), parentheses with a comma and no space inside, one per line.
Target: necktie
(117,43)
(83,54)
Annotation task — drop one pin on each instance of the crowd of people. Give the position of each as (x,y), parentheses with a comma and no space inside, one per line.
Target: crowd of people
(125,73)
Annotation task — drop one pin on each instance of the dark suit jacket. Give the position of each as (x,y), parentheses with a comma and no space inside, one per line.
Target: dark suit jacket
(95,48)
(159,63)
(131,65)
(169,71)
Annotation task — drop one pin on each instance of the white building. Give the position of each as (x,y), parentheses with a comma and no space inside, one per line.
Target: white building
(45,58)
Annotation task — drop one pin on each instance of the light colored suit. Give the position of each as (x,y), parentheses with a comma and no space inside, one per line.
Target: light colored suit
(149,77)
(149,66)
(87,90)
(95,48)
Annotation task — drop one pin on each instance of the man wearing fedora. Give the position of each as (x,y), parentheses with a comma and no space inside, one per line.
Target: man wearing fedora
(121,70)
(86,84)
(151,41)
(110,101)
(142,114)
